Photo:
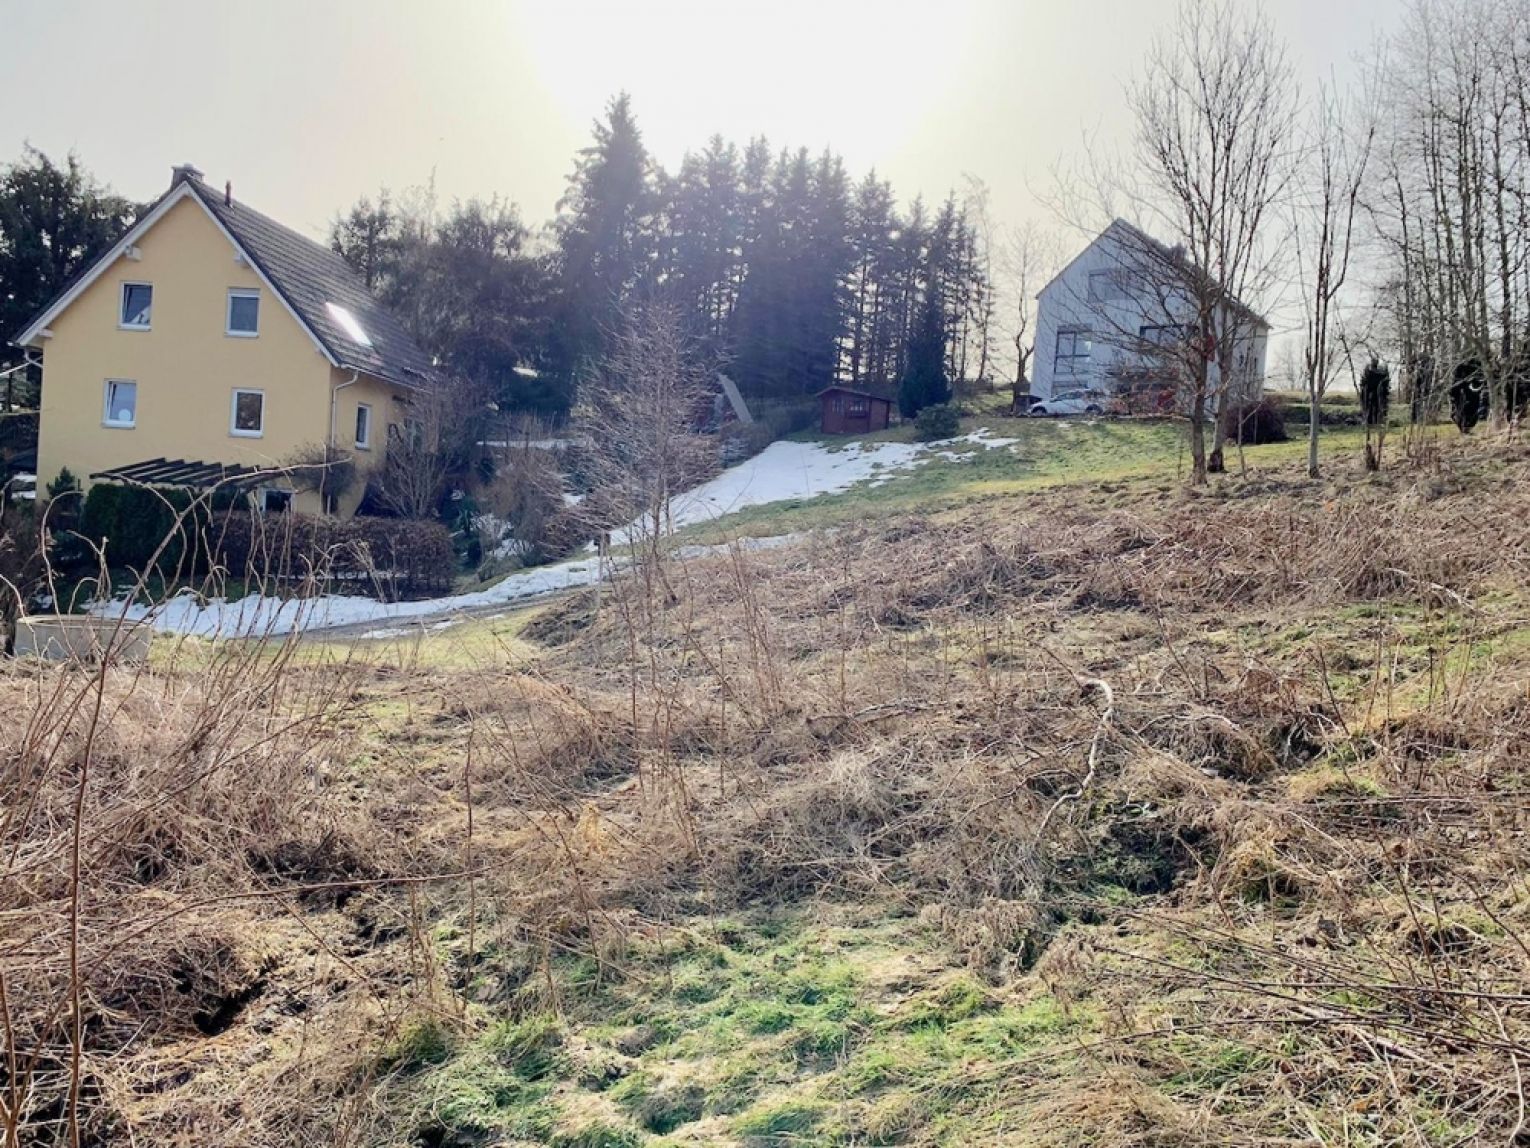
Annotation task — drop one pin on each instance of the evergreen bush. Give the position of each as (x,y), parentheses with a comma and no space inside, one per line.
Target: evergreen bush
(937,422)
(1375,393)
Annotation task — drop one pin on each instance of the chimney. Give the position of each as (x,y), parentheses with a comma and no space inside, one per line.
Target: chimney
(183,173)
(228,193)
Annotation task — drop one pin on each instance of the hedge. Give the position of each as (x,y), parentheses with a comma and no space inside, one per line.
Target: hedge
(132,522)
(403,556)
(399,555)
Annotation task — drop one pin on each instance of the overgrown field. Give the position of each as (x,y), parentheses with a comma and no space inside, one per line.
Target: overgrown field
(1101,814)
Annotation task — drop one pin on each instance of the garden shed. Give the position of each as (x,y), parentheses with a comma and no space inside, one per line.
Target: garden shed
(849,411)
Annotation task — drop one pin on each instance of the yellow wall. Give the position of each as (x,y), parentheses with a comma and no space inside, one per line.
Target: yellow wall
(187,368)
(387,407)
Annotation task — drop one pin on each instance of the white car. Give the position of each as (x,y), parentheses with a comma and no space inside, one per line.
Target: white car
(1069,403)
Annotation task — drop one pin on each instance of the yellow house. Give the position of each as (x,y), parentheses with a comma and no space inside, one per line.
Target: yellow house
(212,344)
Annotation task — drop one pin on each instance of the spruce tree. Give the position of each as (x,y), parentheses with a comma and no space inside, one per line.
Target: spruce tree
(55,219)
(1375,393)
(873,223)
(1468,395)
(606,239)
(369,237)
(925,383)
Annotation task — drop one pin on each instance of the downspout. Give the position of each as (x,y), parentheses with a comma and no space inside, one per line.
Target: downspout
(334,407)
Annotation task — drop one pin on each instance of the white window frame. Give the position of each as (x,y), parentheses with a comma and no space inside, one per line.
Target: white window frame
(364,442)
(122,294)
(106,405)
(228,312)
(266,492)
(233,413)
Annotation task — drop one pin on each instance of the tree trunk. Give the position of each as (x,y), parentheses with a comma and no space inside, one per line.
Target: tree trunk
(1216,463)
(1198,439)
(1313,407)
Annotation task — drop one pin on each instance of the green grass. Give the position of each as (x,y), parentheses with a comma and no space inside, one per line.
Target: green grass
(781,1030)
(1047,453)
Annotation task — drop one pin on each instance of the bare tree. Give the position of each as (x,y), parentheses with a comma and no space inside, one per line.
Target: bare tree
(1451,216)
(1029,255)
(640,415)
(1323,233)
(981,302)
(433,440)
(1215,115)
(323,468)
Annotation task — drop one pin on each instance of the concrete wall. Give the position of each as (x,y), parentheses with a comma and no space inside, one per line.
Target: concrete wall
(58,638)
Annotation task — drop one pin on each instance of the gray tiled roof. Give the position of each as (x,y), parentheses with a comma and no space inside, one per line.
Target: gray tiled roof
(309,276)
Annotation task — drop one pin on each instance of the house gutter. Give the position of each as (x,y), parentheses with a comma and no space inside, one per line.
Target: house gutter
(334,403)
(334,406)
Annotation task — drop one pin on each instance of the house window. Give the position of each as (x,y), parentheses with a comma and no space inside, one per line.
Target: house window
(1164,335)
(137,302)
(412,434)
(275,501)
(1074,346)
(120,406)
(248,416)
(363,426)
(859,406)
(837,404)
(243,312)
(1107,286)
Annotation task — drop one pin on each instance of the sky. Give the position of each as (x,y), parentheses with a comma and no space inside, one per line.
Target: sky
(307,104)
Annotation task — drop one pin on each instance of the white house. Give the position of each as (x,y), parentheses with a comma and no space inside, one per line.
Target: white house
(1117,319)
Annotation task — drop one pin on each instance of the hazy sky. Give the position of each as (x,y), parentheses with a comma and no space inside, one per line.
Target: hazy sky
(306,105)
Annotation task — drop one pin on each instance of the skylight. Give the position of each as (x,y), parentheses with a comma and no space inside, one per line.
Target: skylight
(348,323)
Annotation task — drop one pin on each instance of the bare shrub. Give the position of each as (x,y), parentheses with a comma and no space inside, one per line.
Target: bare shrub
(641,415)
(434,441)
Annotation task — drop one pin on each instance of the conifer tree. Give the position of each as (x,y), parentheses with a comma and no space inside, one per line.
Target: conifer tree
(606,239)
(1375,403)
(925,383)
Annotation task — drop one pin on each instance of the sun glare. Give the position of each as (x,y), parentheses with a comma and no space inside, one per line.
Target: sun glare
(803,74)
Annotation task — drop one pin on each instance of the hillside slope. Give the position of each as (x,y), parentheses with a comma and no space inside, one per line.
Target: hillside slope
(1107,814)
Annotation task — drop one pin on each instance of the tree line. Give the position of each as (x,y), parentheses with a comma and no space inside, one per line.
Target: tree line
(1449,207)
(791,275)
(55,220)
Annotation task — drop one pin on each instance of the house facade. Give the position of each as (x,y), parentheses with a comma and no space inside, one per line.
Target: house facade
(214,344)
(1115,320)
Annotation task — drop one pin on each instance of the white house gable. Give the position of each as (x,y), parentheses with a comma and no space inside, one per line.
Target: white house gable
(1095,317)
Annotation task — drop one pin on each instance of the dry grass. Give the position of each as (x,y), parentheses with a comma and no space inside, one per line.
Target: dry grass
(1278,855)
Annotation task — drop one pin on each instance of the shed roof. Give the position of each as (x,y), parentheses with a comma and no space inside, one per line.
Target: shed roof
(839,390)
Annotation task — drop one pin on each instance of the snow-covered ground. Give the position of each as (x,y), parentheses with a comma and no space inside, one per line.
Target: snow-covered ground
(783,471)
(256,615)
(787,471)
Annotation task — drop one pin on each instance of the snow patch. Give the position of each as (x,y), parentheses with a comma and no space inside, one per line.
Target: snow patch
(783,471)
(796,471)
(258,615)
